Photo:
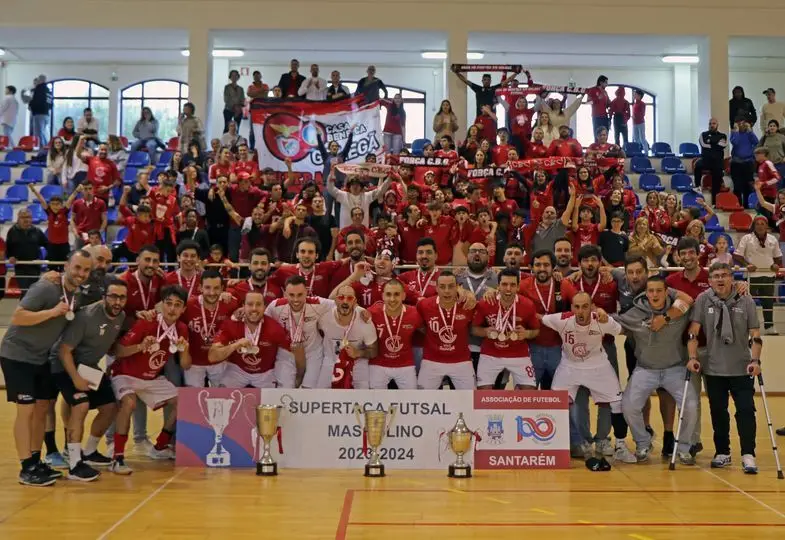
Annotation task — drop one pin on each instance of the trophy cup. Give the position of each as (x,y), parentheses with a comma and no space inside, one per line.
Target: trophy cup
(267,417)
(218,413)
(376,425)
(460,440)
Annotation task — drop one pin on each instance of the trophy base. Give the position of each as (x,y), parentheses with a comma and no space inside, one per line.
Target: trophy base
(218,460)
(374,471)
(266,469)
(459,472)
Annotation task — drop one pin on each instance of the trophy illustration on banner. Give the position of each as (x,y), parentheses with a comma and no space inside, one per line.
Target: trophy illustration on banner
(376,425)
(267,418)
(218,413)
(460,440)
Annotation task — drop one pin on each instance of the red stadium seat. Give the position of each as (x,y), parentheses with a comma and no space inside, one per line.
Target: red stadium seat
(28,143)
(3,142)
(124,141)
(728,201)
(740,221)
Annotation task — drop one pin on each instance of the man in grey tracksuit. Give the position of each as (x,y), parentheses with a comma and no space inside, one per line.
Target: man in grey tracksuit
(661,357)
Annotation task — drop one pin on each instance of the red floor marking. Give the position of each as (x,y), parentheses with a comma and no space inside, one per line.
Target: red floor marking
(343,522)
(674,491)
(565,524)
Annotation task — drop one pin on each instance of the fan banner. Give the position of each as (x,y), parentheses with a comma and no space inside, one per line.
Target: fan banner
(517,68)
(289,129)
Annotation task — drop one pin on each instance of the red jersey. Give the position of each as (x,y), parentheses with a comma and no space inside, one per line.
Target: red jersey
(544,198)
(250,167)
(599,100)
(545,299)
(638,112)
(769,178)
(193,285)
(202,325)
(88,215)
(604,295)
(499,154)
(521,122)
(57,231)
(565,148)
(509,206)
(219,169)
(587,234)
(139,234)
(396,336)
(317,282)
(244,202)
(271,291)
(487,314)
(440,233)
(164,208)
(102,173)
(680,282)
(659,220)
(421,284)
(533,149)
(620,106)
(145,365)
(272,337)
(141,297)
(487,127)
(409,234)
(601,149)
(446,331)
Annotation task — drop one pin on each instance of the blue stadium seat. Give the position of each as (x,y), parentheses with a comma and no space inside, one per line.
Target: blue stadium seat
(121,235)
(418,145)
(661,149)
(650,182)
(689,150)
(49,191)
(14,158)
(164,159)
(672,165)
(752,200)
(713,225)
(16,194)
(129,176)
(111,215)
(681,182)
(690,199)
(138,159)
(31,175)
(641,165)
(713,239)
(627,182)
(637,202)
(6,213)
(5,175)
(37,212)
(633,149)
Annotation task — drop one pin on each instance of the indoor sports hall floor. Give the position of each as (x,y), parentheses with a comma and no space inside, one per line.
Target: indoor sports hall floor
(638,502)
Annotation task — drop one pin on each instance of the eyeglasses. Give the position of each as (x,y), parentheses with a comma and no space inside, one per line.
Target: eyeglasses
(344,298)
(480,251)
(116,297)
(720,276)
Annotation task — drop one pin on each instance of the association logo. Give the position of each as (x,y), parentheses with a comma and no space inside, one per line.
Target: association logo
(540,428)
(495,429)
(288,136)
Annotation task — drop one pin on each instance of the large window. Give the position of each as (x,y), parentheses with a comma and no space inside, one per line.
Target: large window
(72,97)
(413,104)
(585,131)
(164,97)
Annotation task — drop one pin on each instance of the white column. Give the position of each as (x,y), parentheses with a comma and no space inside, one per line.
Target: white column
(457,47)
(682,107)
(713,81)
(220,78)
(200,73)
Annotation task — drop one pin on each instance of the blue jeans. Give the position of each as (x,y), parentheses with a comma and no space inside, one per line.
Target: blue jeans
(151,146)
(545,361)
(8,131)
(600,121)
(40,130)
(639,136)
(580,428)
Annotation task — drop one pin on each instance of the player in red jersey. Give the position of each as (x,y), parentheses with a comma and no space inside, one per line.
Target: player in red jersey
(144,284)
(204,314)
(141,356)
(446,351)
(422,282)
(505,324)
(585,231)
(261,261)
(395,327)
(187,275)
(252,347)
(317,275)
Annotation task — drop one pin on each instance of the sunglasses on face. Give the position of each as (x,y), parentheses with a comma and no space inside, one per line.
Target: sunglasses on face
(345,298)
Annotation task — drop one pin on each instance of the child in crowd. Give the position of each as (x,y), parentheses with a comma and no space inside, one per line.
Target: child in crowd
(722,252)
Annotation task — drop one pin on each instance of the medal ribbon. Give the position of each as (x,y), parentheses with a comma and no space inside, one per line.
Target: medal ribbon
(208,329)
(145,297)
(427,281)
(253,335)
(452,315)
(166,331)
(503,319)
(186,284)
(597,286)
(65,296)
(550,295)
(296,330)
(308,278)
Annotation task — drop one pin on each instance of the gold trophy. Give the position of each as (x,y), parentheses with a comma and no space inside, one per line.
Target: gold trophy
(376,425)
(267,417)
(460,439)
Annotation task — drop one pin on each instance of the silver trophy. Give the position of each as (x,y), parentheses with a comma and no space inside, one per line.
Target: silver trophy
(267,418)
(376,425)
(218,413)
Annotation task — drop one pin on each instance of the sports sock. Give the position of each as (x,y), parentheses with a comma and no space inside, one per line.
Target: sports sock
(36,456)
(91,445)
(619,426)
(163,439)
(50,442)
(119,444)
(74,454)
(28,463)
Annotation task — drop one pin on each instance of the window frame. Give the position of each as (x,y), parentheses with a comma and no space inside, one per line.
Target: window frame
(391,91)
(52,129)
(179,99)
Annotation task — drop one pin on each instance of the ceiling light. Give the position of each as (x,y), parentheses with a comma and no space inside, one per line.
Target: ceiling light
(680,59)
(475,55)
(434,55)
(2,52)
(219,53)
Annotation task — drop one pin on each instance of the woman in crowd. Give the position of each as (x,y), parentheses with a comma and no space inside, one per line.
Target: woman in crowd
(657,218)
(549,131)
(558,114)
(146,134)
(673,208)
(176,163)
(646,242)
(67,132)
(394,131)
(774,141)
(615,206)
(55,161)
(75,168)
(231,139)
(194,158)
(471,144)
(445,122)
(117,153)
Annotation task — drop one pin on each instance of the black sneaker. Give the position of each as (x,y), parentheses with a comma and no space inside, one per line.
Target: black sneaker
(33,477)
(650,431)
(695,448)
(96,459)
(48,472)
(667,444)
(781,431)
(83,473)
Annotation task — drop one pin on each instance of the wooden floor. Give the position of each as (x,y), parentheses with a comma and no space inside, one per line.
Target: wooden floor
(640,502)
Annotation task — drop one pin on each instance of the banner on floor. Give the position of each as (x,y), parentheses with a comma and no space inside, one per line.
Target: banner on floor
(288,130)
(319,429)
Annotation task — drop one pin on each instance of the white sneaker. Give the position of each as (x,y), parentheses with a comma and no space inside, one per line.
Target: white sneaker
(143,447)
(587,449)
(166,453)
(118,466)
(720,460)
(604,447)
(623,453)
(748,464)
(642,453)
(770,331)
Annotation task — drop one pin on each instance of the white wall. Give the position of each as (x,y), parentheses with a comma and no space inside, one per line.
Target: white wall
(755,82)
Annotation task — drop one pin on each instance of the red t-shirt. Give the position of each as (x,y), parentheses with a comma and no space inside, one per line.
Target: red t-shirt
(487,127)
(317,282)
(545,304)
(244,202)
(57,231)
(599,101)
(202,329)
(509,206)
(446,332)
(499,154)
(565,148)
(193,285)
(535,149)
(145,365)
(604,295)
(139,234)
(250,167)
(659,220)
(769,178)
(585,235)
(409,234)
(164,208)
(88,216)
(271,291)
(141,299)
(395,350)
(272,337)
(219,169)
(679,281)
(638,112)
(102,173)
(486,314)
(421,285)
(440,233)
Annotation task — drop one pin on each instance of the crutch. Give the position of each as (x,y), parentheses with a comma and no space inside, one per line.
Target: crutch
(672,466)
(771,430)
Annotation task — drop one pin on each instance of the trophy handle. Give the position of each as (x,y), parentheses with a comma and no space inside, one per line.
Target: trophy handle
(200,399)
(239,401)
(358,415)
(392,418)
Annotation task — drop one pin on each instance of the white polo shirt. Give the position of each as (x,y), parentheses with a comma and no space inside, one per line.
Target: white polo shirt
(760,256)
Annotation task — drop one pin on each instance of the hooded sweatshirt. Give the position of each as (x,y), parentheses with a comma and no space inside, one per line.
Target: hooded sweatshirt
(620,106)
(742,108)
(654,350)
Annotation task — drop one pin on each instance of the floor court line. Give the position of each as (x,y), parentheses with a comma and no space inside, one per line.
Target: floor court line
(503,490)
(576,524)
(139,506)
(346,511)
(745,493)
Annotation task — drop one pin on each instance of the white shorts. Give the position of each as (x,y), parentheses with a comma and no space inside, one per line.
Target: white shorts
(521,369)
(431,374)
(195,375)
(154,393)
(235,377)
(285,370)
(601,381)
(405,377)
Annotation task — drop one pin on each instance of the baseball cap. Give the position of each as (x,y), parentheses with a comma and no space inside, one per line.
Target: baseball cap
(769,90)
